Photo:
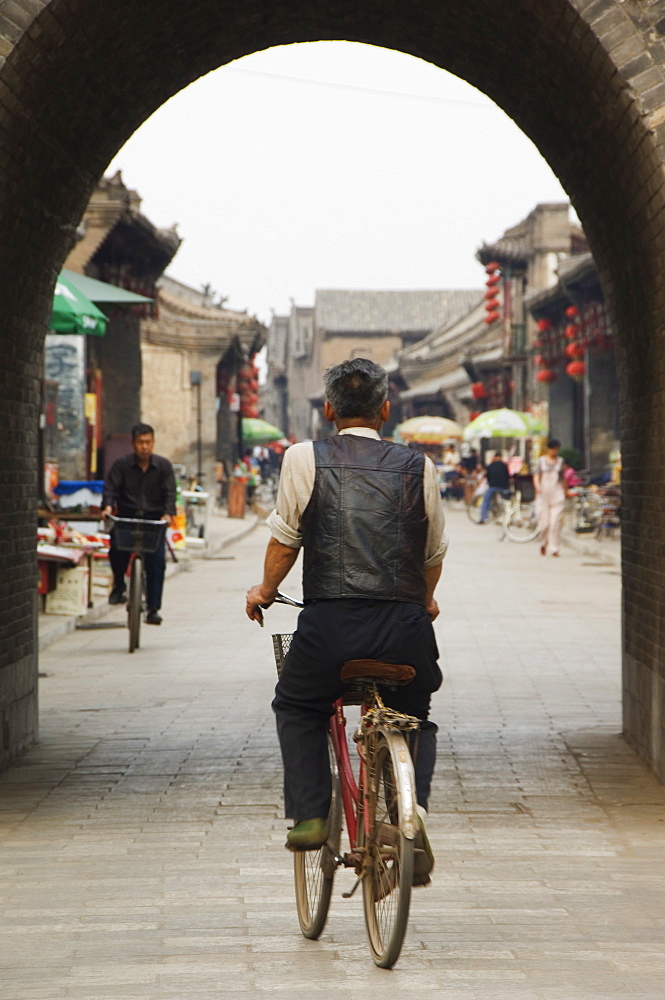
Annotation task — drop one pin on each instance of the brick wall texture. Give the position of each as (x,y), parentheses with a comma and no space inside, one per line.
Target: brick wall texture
(584,79)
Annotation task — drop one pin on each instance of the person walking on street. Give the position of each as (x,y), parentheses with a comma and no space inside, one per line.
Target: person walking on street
(140,484)
(498,481)
(550,489)
(368,515)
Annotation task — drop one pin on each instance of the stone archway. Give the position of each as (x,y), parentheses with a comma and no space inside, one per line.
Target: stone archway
(584,79)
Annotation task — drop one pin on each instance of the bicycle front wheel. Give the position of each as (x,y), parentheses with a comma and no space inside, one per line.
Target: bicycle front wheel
(389,854)
(314,871)
(134,603)
(521,523)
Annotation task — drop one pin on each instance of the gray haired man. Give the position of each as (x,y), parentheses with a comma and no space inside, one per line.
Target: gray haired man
(368,516)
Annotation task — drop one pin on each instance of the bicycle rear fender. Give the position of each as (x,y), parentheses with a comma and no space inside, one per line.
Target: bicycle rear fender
(407,787)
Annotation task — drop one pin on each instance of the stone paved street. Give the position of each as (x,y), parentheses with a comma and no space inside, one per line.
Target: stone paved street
(141,844)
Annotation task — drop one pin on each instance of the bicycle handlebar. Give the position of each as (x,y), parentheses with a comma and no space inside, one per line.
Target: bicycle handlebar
(285,599)
(132,520)
(280,599)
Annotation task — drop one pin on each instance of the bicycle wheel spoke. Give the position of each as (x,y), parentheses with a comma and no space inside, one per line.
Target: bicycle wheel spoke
(313,871)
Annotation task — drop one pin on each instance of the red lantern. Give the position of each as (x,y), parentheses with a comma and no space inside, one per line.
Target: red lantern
(491,306)
(478,390)
(492,266)
(472,416)
(570,331)
(492,293)
(574,349)
(576,370)
(492,317)
(545,375)
(493,279)
(543,324)
(572,311)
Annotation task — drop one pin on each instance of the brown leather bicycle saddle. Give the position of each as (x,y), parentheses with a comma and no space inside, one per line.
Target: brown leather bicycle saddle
(377,670)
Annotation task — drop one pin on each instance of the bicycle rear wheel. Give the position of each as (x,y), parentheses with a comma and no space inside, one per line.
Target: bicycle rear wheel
(473,508)
(134,603)
(521,523)
(314,871)
(389,858)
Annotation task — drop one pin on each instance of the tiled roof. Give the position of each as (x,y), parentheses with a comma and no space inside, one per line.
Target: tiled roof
(401,312)
(516,249)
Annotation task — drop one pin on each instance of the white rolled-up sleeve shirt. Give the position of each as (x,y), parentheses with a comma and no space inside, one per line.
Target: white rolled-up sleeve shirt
(296,483)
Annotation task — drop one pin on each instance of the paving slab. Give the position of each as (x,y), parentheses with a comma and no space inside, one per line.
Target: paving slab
(141,842)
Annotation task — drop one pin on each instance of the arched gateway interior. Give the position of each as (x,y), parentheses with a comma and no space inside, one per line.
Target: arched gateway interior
(584,80)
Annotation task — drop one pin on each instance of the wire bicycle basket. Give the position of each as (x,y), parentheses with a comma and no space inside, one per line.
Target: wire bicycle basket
(132,534)
(281,643)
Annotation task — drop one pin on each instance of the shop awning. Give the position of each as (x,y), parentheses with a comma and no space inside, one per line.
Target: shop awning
(100,292)
(436,386)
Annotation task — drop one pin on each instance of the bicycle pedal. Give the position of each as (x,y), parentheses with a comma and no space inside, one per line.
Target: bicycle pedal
(347,895)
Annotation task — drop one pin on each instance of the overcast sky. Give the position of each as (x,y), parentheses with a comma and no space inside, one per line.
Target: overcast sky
(331,165)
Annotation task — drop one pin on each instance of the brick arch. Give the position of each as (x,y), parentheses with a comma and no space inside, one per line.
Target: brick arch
(582,78)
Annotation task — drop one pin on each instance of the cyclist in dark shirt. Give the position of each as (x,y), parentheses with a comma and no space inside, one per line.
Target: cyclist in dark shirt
(140,484)
(498,481)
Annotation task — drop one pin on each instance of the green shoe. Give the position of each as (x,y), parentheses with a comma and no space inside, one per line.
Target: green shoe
(423,860)
(307,835)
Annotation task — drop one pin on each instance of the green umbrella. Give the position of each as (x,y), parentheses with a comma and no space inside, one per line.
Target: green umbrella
(502,423)
(74,313)
(255,431)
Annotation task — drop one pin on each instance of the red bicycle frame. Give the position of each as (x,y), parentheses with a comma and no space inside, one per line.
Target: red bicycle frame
(348,785)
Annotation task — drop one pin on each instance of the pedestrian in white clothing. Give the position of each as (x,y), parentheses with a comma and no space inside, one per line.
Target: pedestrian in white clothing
(550,497)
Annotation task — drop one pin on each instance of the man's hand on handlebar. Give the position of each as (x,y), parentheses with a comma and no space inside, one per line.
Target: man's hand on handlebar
(256,598)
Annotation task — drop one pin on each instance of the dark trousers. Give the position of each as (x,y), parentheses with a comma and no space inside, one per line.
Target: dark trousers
(155,567)
(328,634)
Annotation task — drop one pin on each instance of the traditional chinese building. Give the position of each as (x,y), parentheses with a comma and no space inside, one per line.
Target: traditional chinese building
(120,246)
(346,324)
(575,362)
(483,358)
(193,358)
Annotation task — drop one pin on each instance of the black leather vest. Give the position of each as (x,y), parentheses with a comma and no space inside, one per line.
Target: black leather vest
(364,528)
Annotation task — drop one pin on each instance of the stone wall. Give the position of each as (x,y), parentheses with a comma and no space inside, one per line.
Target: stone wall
(167,400)
(582,78)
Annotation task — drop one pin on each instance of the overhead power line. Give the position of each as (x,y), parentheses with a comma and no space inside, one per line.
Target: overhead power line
(331,85)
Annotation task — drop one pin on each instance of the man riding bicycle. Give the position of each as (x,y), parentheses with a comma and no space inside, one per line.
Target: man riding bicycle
(368,515)
(140,484)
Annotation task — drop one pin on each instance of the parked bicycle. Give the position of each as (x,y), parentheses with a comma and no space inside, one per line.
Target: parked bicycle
(379,807)
(609,522)
(497,509)
(138,536)
(587,509)
(520,520)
